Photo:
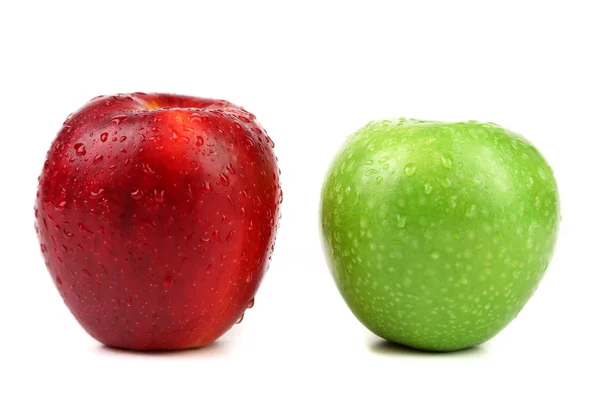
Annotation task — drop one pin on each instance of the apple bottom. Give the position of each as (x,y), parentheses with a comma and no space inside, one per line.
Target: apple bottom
(163,323)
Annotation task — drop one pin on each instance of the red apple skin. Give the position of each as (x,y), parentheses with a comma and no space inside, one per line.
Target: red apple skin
(156,216)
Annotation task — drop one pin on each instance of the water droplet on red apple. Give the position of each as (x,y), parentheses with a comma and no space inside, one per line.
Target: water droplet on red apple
(122,139)
(44,248)
(240,319)
(83,228)
(224,179)
(104,137)
(159,196)
(251,304)
(137,194)
(118,119)
(168,282)
(61,206)
(206,187)
(194,165)
(97,194)
(98,158)
(79,149)
(199,141)
(58,280)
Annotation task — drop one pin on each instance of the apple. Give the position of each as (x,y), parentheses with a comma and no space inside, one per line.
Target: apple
(438,233)
(156,216)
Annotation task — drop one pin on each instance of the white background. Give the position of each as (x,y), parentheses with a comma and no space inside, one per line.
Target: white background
(312,72)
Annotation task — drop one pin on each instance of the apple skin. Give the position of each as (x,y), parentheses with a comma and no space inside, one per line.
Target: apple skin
(437,233)
(156,216)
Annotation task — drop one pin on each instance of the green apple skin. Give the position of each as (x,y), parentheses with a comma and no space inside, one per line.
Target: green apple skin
(438,233)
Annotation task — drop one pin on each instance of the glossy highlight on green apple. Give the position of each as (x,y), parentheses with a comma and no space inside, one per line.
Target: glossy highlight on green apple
(437,234)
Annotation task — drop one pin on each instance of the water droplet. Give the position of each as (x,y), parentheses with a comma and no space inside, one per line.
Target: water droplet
(194,164)
(68,233)
(446,161)
(400,221)
(61,206)
(83,228)
(168,282)
(137,194)
(79,149)
(428,188)
(446,183)
(104,137)
(370,172)
(97,194)
(181,139)
(159,196)
(58,280)
(44,248)
(249,142)
(98,158)
(122,139)
(199,141)
(240,319)
(410,169)
(243,212)
(224,179)
(206,187)
(117,120)
(471,211)
(251,304)
(434,254)
(383,159)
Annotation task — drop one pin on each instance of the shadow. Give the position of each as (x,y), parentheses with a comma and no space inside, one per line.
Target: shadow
(215,349)
(388,348)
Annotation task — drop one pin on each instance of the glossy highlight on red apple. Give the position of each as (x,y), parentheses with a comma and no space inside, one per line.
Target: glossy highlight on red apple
(156,216)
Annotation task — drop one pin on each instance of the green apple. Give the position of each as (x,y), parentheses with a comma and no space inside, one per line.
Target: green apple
(438,233)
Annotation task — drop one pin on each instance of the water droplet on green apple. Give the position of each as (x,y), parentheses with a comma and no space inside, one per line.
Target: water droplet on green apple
(410,169)
(401,221)
(446,183)
(446,160)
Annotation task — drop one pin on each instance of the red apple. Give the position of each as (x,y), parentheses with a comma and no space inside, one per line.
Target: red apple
(156,216)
